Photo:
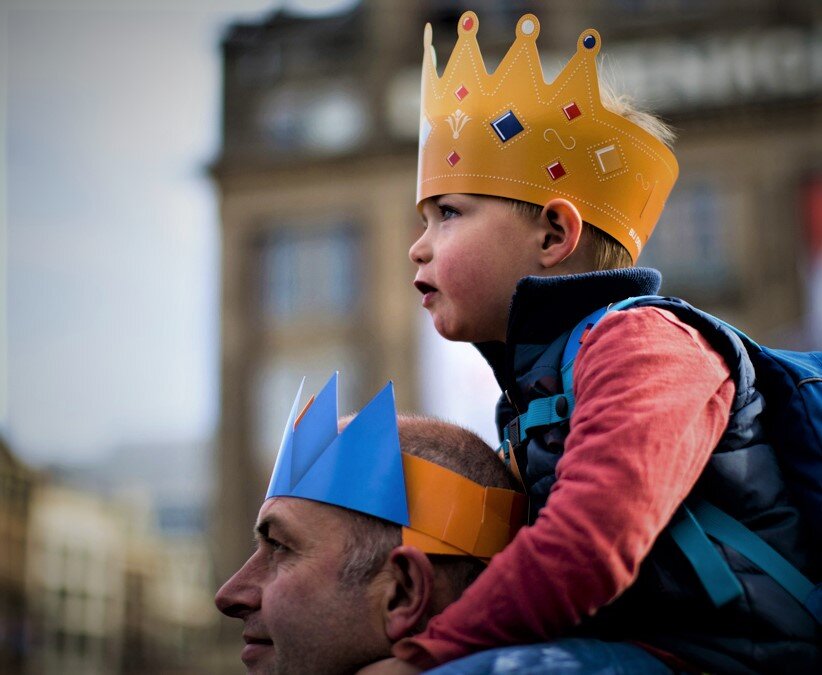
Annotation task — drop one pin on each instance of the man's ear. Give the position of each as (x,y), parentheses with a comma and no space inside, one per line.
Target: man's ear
(408,594)
(563,229)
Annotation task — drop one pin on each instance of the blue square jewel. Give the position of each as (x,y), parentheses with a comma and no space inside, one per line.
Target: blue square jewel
(507,126)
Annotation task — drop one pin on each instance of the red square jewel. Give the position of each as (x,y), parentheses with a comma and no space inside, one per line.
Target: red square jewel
(571,110)
(453,158)
(556,170)
(461,93)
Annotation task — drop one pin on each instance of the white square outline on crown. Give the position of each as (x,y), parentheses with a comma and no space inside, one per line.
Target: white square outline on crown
(592,153)
(526,128)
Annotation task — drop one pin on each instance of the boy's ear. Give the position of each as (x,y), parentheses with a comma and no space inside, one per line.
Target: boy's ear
(563,230)
(408,594)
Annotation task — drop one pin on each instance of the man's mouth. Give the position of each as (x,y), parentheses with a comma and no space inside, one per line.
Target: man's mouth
(251,640)
(254,647)
(427,291)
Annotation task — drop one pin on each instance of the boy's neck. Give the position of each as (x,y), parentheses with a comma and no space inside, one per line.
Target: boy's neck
(544,307)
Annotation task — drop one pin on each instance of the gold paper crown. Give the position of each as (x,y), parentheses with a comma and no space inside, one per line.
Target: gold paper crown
(509,134)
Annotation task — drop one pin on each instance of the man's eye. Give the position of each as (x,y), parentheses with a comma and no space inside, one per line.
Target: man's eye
(275,545)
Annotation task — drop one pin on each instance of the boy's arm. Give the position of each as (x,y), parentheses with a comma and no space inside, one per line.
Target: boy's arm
(653,399)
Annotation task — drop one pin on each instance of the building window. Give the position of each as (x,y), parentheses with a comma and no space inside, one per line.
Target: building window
(324,119)
(310,272)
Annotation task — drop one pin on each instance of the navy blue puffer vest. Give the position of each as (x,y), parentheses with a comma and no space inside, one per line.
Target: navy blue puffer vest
(765,631)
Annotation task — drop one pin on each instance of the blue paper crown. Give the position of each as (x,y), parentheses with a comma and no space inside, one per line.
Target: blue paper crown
(359,469)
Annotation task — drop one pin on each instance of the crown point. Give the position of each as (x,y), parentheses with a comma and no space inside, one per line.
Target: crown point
(468,23)
(528,26)
(589,41)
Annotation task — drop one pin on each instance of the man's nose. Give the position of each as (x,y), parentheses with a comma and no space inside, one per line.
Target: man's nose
(238,597)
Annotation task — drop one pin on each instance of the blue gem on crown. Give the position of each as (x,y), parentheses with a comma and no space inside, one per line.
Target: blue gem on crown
(507,126)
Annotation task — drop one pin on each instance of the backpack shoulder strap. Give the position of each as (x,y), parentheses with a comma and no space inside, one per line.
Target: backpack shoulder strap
(580,333)
(550,410)
(572,347)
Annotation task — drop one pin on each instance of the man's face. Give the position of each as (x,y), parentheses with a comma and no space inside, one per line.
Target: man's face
(471,254)
(298,617)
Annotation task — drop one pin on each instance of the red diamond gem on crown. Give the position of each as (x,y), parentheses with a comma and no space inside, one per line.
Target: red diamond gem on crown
(571,110)
(453,158)
(468,24)
(461,93)
(555,170)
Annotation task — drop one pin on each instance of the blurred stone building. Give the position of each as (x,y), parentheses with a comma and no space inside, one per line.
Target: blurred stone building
(317,179)
(87,585)
(75,583)
(16,485)
(107,594)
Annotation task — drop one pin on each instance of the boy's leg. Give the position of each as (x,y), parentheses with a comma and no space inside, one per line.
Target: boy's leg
(563,657)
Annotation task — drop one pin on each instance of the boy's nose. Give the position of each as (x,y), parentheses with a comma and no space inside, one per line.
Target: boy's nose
(420,251)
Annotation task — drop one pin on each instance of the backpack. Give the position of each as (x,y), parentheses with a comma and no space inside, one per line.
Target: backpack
(791,384)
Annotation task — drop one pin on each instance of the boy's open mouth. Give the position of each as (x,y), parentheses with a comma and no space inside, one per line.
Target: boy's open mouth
(427,291)
(424,288)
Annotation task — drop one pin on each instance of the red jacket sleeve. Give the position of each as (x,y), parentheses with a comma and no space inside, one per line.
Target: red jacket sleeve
(652,401)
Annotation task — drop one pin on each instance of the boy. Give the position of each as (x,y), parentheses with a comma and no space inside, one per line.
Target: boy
(540,192)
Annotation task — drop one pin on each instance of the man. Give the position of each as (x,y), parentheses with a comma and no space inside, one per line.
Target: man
(364,535)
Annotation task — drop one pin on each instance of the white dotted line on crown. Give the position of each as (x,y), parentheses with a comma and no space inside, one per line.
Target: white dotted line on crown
(615,213)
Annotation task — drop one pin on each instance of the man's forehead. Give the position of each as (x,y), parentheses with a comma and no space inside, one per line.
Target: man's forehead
(297,517)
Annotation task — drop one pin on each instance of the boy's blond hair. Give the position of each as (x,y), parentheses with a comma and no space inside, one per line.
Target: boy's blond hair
(608,252)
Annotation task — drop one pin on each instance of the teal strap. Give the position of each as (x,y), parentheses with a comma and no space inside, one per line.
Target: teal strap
(550,410)
(576,337)
(571,350)
(726,529)
(713,572)
(567,373)
(544,411)
(541,412)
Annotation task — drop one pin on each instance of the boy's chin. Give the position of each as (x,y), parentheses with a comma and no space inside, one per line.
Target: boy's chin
(447,330)
(459,333)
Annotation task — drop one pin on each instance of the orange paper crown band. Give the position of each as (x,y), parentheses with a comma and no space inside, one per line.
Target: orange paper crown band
(452,515)
(511,134)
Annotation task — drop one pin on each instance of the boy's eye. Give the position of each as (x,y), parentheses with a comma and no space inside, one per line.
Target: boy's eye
(448,212)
